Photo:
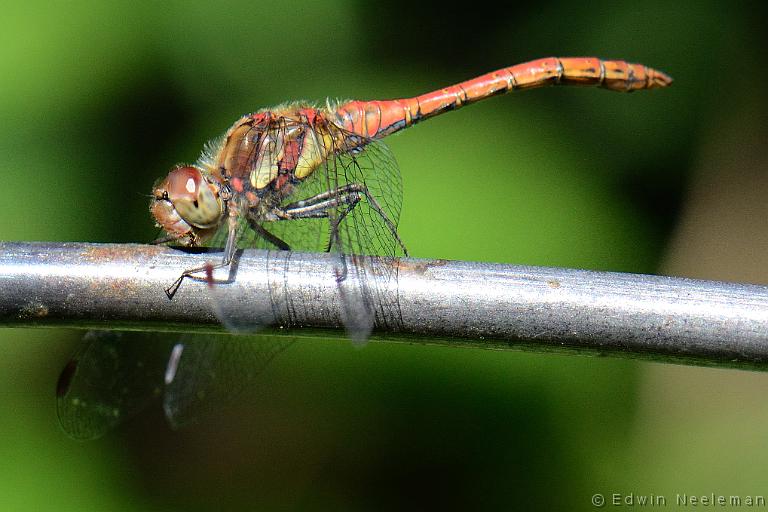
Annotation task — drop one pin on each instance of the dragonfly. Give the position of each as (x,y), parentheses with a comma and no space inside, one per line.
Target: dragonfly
(292,177)
(309,178)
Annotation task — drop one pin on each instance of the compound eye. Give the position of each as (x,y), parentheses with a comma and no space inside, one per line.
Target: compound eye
(195,199)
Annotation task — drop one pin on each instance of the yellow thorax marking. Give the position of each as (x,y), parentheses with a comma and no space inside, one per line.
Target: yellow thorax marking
(318,145)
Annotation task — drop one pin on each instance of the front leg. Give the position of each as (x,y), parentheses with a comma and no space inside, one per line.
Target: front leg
(208,268)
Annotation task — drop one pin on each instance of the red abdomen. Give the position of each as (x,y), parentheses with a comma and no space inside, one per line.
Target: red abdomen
(377,119)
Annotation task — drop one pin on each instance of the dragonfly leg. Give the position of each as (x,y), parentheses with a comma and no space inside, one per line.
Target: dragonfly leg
(266,235)
(354,199)
(208,268)
(318,206)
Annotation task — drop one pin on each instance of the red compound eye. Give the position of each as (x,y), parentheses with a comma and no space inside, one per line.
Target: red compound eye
(184,184)
(187,193)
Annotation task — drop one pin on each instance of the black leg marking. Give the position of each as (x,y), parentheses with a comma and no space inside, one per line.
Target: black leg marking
(266,235)
(318,206)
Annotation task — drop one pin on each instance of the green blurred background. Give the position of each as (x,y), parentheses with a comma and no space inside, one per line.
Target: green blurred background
(98,99)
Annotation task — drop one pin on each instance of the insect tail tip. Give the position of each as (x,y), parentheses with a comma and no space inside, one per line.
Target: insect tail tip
(659,79)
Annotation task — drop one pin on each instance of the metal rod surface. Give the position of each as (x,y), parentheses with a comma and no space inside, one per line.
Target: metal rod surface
(425,301)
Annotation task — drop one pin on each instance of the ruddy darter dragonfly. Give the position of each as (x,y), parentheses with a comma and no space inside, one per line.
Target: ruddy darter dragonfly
(308,178)
(300,177)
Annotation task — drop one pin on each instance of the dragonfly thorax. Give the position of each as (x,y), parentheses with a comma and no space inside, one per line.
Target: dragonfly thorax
(270,149)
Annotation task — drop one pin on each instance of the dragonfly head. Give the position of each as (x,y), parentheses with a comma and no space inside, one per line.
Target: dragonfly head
(186,203)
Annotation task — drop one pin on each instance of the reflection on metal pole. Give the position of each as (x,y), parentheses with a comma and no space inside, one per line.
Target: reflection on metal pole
(443,302)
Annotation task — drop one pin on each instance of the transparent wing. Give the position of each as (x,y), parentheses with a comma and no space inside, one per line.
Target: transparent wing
(364,229)
(116,374)
(360,182)
(205,373)
(110,378)
(368,286)
(361,161)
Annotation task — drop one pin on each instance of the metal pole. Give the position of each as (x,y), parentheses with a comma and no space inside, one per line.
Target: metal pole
(427,301)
